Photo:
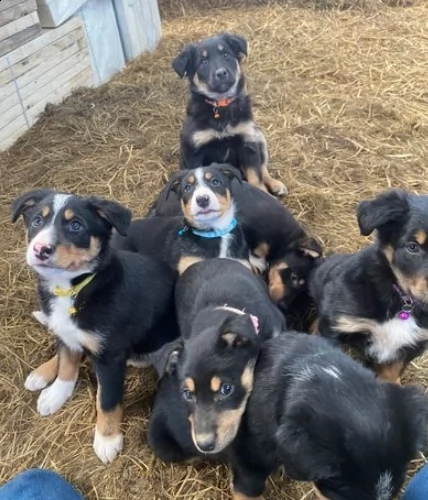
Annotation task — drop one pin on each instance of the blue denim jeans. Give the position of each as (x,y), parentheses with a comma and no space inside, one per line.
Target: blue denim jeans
(38,484)
(417,489)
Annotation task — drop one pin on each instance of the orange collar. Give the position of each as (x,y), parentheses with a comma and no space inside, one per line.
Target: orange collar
(221,103)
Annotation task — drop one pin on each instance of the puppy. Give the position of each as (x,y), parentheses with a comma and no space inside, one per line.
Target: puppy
(224,313)
(377,299)
(114,306)
(219,124)
(270,229)
(327,419)
(209,229)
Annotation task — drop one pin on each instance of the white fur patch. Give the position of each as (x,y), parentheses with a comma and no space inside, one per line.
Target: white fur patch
(332,371)
(393,335)
(384,487)
(258,262)
(54,397)
(224,246)
(107,448)
(35,382)
(41,317)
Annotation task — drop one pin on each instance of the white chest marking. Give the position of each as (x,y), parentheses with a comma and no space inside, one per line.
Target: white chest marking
(392,336)
(224,246)
(61,324)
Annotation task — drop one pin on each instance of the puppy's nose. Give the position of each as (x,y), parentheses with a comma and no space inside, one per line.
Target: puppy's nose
(203,201)
(207,443)
(221,73)
(43,251)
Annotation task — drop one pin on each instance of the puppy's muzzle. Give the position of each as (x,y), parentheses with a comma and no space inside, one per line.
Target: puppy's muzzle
(43,251)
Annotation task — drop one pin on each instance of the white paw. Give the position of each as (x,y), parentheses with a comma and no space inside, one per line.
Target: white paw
(107,447)
(258,262)
(283,191)
(40,317)
(35,382)
(52,398)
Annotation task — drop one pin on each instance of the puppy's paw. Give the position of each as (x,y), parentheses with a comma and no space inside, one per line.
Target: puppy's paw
(35,382)
(107,447)
(278,188)
(54,397)
(40,317)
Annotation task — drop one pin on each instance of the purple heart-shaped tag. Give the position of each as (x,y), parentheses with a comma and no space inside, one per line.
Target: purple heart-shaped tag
(404,315)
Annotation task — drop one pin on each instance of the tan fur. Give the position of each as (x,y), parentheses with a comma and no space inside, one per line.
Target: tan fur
(277,289)
(69,364)
(92,342)
(73,258)
(228,424)
(189,384)
(68,214)
(354,324)
(262,250)
(46,211)
(254,180)
(224,202)
(421,237)
(314,329)
(191,179)
(48,371)
(108,422)
(391,372)
(319,495)
(187,212)
(244,129)
(208,176)
(241,496)
(273,185)
(186,262)
(215,384)
(200,85)
(247,377)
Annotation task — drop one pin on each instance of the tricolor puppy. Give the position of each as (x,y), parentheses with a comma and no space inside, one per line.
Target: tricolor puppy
(209,229)
(219,124)
(377,299)
(271,230)
(117,307)
(224,313)
(325,418)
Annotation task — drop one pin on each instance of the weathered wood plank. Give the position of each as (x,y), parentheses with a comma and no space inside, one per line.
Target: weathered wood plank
(53,13)
(44,85)
(8,135)
(46,38)
(28,69)
(18,25)
(7,4)
(17,11)
(19,39)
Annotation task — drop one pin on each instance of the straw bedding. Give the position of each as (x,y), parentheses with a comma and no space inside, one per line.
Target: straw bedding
(342,97)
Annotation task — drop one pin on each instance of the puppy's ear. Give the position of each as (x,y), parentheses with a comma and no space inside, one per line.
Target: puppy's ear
(417,404)
(28,200)
(237,43)
(311,248)
(167,358)
(174,184)
(389,207)
(184,63)
(115,214)
(231,172)
(240,330)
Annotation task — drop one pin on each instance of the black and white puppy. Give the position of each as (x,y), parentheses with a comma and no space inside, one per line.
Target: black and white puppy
(117,307)
(219,124)
(224,313)
(209,230)
(377,299)
(273,234)
(326,419)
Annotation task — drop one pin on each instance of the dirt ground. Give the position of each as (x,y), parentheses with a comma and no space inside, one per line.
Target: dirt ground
(342,96)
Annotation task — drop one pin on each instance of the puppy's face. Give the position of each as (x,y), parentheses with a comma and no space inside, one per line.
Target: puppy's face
(289,276)
(213,65)
(216,373)
(205,195)
(67,233)
(401,221)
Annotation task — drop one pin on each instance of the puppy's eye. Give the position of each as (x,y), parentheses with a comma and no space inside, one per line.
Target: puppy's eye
(187,188)
(294,277)
(413,247)
(37,221)
(215,182)
(187,395)
(75,226)
(225,55)
(226,389)
(204,62)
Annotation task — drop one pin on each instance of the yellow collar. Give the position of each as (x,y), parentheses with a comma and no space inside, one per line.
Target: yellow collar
(74,290)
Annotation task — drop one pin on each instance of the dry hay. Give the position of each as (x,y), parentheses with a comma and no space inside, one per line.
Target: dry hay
(342,97)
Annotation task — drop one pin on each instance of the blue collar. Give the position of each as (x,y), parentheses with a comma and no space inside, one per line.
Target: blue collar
(215,233)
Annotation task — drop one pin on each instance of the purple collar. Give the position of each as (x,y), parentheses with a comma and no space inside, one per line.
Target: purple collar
(407,304)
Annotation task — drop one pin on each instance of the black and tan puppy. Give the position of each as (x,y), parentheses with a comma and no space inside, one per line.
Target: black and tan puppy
(224,313)
(326,419)
(219,124)
(377,299)
(271,230)
(117,307)
(206,229)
